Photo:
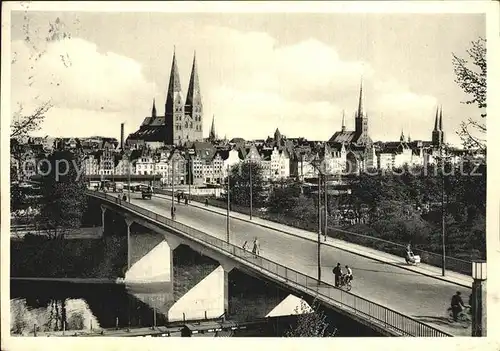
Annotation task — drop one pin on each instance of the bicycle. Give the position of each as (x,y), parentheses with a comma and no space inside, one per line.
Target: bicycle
(345,283)
(464,317)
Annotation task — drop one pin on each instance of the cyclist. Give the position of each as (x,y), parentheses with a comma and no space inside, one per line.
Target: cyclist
(457,305)
(348,274)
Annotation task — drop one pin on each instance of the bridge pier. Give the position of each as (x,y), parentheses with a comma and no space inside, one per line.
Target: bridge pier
(128,221)
(103,212)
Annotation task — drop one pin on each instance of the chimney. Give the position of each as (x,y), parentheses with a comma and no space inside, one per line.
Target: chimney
(121,135)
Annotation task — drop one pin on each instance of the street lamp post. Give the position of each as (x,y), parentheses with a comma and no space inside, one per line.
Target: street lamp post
(325,230)
(251,190)
(228,202)
(173,175)
(478,303)
(443,213)
(319,226)
(128,177)
(190,172)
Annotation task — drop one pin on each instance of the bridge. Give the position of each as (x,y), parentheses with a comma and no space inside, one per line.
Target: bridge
(385,297)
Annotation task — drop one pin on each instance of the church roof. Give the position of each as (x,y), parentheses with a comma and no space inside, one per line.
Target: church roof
(344,137)
(149,133)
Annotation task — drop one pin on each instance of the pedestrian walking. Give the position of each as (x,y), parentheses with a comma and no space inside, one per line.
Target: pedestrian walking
(256,247)
(337,271)
(244,247)
(206,202)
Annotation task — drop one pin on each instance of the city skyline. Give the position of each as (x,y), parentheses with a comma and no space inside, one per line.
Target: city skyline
(255,74)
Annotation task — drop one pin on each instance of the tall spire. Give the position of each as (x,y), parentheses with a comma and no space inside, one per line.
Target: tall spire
(436,119)
(343,120)
(153,110)
(441,119)
(212,135)
(174,105)
(360,104)
(194,84)
(174,84)
(402,137)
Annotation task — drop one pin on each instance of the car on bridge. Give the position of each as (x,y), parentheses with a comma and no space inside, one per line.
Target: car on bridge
(147,192)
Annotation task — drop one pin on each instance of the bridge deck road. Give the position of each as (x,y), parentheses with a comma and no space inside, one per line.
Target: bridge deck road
(421,297)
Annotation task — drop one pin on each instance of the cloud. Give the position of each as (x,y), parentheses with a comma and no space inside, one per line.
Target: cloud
(301,88)
(75,75)
(250,81)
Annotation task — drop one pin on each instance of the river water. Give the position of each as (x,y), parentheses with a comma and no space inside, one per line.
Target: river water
(44,305)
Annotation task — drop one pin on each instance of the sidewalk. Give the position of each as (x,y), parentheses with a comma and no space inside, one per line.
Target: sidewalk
(425,269)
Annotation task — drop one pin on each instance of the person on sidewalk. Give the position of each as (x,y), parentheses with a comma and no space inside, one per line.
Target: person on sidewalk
(256,247)
(206,202)
(337,271)
(244,247)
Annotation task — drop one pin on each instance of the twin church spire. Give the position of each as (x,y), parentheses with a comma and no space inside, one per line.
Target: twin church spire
(438,133)
(183,117)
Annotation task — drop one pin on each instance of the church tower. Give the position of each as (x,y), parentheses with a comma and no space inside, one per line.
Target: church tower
(174,107)
(437,133)
(212,136)
(193,110)
(361,124)
(153,110)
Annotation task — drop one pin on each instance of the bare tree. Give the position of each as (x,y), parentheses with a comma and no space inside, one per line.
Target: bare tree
(25,122)
(471,77)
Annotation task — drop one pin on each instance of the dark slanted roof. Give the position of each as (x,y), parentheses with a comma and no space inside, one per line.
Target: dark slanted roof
(344,137)
(205,151)
(149,133)
(242,153)
(237,140)
(393,147)
(202,145)
(266,154)
(224,154)
(158,121)
(146,121)
(335,145)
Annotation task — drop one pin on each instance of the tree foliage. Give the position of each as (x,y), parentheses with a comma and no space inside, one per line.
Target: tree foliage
(402,206)
(406,206)
(239,184)
(63,194)
(471,77)
(311,322)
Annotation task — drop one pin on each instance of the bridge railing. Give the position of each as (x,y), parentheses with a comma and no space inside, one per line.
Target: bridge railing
(368,310)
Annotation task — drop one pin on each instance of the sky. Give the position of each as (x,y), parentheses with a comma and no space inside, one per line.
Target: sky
(298,72)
